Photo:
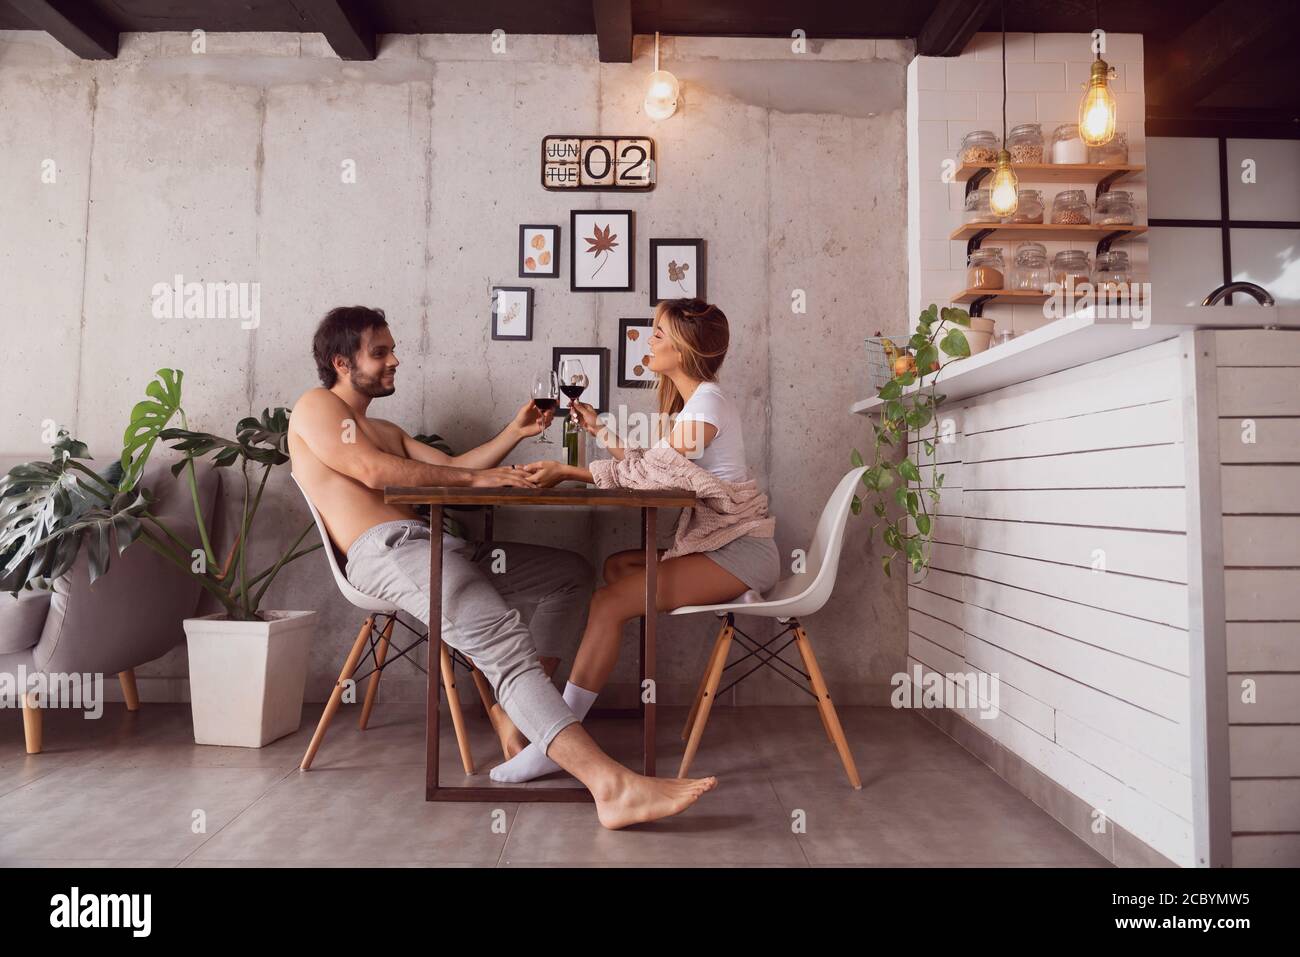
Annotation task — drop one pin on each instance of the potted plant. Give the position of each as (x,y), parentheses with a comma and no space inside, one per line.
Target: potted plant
(911,402)
(247,666)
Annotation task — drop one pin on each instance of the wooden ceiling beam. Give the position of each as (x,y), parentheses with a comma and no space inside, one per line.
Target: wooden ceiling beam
(1216,47)
(951,25)
(346,26)
(78,26)
(613,30)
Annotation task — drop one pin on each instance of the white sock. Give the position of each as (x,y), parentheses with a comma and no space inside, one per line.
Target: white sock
(532,761)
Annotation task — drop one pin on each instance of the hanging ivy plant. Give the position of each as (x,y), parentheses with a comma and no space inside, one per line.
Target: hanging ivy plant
(904,410)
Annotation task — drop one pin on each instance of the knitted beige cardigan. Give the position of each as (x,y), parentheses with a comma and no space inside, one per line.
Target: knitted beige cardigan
(724,511)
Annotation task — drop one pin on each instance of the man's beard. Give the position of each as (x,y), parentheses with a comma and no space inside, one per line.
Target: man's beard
(371,385)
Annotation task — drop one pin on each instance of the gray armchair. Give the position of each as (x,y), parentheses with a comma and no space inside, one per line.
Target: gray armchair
(131,615)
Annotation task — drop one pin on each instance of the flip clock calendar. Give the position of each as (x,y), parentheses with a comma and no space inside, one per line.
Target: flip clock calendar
(605,163)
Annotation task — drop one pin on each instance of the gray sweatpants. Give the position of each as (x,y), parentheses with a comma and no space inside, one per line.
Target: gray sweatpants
(486,596)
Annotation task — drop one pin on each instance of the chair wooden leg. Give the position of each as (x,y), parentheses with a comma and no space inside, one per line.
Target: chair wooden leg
(453,705)
(716,665)
(31,723)
(372,689)
(704,680)
(336,697)
(485,697)
(491,710)
(827,709)
(129,692)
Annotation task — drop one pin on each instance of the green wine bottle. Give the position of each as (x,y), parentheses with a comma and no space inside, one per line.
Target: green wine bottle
(570,441)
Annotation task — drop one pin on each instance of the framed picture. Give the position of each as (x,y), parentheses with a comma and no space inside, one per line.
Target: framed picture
(539,251)
(512,312)
(600,250)
(676,269)
(595,362)
(633,355)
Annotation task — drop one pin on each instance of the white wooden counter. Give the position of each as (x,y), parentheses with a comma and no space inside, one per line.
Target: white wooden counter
(1119,541)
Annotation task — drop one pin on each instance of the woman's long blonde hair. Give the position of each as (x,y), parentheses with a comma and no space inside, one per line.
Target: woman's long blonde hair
(699,331)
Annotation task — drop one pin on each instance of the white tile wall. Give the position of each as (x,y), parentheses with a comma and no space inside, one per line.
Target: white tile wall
(950,96)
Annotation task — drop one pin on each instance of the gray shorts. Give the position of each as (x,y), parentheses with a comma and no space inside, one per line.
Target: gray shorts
(755,561)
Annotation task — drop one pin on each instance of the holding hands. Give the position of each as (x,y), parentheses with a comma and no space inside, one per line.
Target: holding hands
(548,473)
(505,476)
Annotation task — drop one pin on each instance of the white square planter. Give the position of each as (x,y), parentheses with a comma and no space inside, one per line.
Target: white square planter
(247,677)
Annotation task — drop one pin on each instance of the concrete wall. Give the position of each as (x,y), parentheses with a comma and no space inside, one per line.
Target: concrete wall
(225,166)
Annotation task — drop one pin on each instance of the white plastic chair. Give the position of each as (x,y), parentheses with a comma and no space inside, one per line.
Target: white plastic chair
(788,600)
(380,609)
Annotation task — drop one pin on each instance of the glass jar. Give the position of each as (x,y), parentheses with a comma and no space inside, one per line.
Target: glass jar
(1070,208)
(978,209)
(1070,267)
(1025,144)
(984,270)
(1029,206)
(1111,274)
(978,146)
(1114,208)
(1067,146)
(1030,271)
(1114,153)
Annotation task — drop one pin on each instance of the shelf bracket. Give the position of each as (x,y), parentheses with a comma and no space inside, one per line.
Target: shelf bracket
(1103,244)
(1106,182)
(977,306)
(973,243)
(973,183)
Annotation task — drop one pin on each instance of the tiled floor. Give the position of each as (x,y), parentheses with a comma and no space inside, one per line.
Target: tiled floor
(134,789)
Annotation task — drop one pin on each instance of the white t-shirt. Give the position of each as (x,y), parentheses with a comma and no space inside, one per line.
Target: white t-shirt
(725,455)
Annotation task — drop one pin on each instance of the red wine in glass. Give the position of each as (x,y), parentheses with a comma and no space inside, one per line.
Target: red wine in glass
(573,381)
(546,396)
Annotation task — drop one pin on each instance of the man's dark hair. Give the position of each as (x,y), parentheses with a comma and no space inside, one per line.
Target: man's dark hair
(339,334)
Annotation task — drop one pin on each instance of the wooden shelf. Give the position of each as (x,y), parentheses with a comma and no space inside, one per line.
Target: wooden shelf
(1044,231)
(1027,296)
(1055,172)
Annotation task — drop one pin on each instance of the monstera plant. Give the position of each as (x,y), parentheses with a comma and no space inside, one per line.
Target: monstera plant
(49,511)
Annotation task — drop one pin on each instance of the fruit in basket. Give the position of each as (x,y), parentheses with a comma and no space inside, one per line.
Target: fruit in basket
(904,364)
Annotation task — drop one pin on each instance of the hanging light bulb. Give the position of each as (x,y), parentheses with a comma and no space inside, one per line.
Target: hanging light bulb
(661,92)
(1097,109)
(1003,190)
(1003,195)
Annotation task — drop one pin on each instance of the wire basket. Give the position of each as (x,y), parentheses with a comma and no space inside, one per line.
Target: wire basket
(879,368)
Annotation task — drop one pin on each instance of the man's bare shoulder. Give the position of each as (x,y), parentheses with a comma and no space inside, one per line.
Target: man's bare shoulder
(313,402)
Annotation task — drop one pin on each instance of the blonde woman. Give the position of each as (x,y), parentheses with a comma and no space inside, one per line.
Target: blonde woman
(724,547)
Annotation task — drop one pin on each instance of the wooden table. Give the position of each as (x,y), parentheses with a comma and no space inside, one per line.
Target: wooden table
(436,497)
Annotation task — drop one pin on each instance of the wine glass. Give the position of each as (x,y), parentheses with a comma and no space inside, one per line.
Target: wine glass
(573,381)
(546,396)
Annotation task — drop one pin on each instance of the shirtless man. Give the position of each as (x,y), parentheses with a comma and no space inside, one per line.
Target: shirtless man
(344,459)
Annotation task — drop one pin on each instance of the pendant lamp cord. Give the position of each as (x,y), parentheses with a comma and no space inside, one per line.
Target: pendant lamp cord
(1096,19)
(1004,73)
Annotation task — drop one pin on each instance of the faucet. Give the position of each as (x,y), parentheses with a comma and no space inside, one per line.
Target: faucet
(1258,293)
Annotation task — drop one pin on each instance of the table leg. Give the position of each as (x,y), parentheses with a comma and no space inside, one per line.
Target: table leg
(649,521)
(435,653)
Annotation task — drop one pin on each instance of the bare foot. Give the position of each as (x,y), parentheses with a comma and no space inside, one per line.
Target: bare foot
(512,739)
(637,799)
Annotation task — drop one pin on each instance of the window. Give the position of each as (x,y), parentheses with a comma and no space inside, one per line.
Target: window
(1222,210)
